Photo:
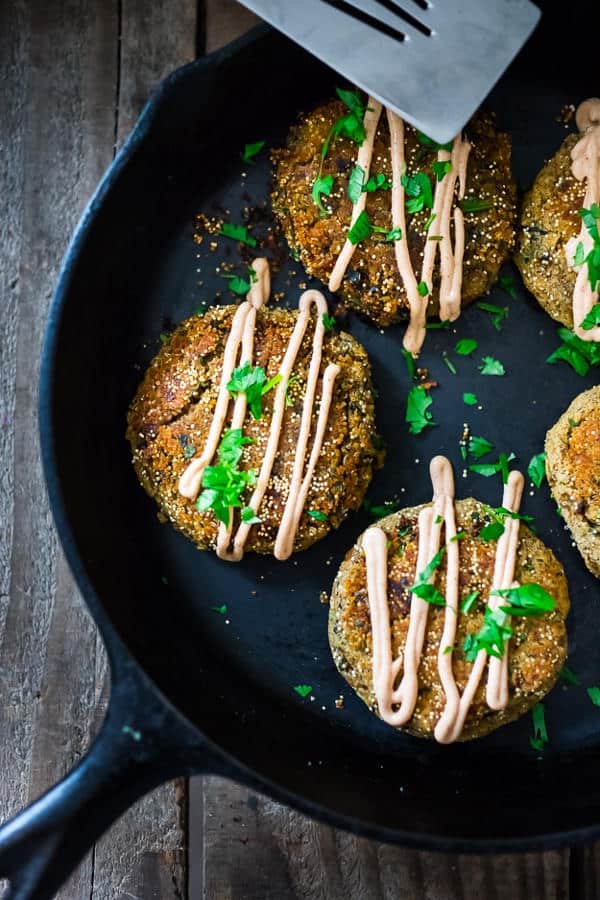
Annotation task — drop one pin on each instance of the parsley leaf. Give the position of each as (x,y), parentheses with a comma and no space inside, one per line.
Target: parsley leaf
(323,185)
(497,313)
(580,355)
(526,600)
(466,346)
(537,468)
(491,366)
(355,183)
(479,446)
(507,283)
(422,289)
(224,484)
(377,182)
(418,192)
(252,150)
(303,689)
(594,695)
(251,380)
(422,588)
(418,414)
(469,602)
(489,469)
(491,636)
(540,732)
(361,230)
(220,609)
(328,322)
(474,204)
(590,220)
(429,142)
(395,234)
(566,674)
(492,531)
(441,168)
(237,233)
(410,363)
(470,399)
(239,285)
(448,362)
(249,517)
(383,509)
(592,319)
(317,515)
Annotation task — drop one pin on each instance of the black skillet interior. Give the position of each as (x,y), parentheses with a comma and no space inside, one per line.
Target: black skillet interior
(134,271)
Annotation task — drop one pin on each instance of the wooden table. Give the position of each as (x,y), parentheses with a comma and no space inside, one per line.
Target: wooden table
(75,74)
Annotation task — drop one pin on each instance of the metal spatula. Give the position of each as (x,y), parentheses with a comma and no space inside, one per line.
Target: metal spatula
(431,62)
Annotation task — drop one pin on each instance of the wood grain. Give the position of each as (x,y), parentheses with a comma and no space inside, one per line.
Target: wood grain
(60,81)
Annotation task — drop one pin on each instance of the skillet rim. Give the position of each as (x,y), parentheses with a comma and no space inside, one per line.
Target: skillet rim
(117,649)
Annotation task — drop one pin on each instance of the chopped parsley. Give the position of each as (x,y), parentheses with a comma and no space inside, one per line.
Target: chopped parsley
(364,228)
(164,337)
(470,399)
(492,531)
(355,183)
(540,732)
(378,182)
(590,220)
(422,587)
(252,150)
(580,355)
(444,325)
(249,517)
(537,468)
(568,676)
(507,284)
(422,289)
(224,484)
(525,600)
(418,413)
(474,204)
(491,366)
(448,362)
(220,609)
(237,233)
(303,689)
(440,168)
(429,142)
(592,319)
(418,192)
(479,446)
(489,469)
(383,509)
(428,225)
(459,536)
(466,346)
(238,285)
(322,185)
(497,313)
(395,234)
(252,381)
(328,322)
(317,515)
(410,363)
(594,695)
(469,602)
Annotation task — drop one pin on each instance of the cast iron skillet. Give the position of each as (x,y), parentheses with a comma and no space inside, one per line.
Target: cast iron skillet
(198,691)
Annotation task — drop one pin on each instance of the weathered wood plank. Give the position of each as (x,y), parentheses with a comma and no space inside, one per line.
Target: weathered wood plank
(57,108)
(224,21)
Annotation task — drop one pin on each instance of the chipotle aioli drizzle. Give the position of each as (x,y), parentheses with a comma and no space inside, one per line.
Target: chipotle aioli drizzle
(451,258)
(585,167)
(230,545)
(397,703)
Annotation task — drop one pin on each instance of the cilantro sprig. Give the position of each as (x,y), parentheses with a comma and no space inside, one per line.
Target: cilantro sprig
(357,184)
(497,313)
(489,469)
(540,732)
(491,366)
(237,233)
(418,192)
(251,151)
(592,258)
(423,588)
(537,468)
(225,484)
(527,600)
(351,126)
(580,355)
(418,412)
(252,381)
(363,228)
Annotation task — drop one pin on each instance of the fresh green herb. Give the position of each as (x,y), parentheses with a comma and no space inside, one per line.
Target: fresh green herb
(303,689)
(526,600)
(238,285)
(492,531)
(507,283)
(580,355)
(237,233)
(429,142)
(592,319)
(479,446)
(418,192)
(220,609)
(252,381)
(422,289)
(322,186)
(438,520)
(474,204)
(540,732)
(361,230)
(252,150)
(410,363)
(594,695)
(491,637)
(164,337)
(444,325)
(422,587)
(459,536)
(590,220)
(497,313)
(489,469)
(466,346)
(328,322)
(224,484)
(317,515)
(579,258)
(435,237)
(290,381)
(469,602)
(377,182)
(470,399)
(395,234)
(418,413)
(559,512)
(249,516)
(355,183)
(429,222)
(537,468)
(380,510)
(440,168)
(448,649)
(567,675)
(448,362)
(491,366)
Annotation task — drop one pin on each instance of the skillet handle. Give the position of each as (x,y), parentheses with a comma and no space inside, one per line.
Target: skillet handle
(142,743)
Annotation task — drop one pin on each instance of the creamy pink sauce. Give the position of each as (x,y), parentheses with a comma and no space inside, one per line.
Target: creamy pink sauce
(397,703)
(451,257)
(585,157)
(230,544)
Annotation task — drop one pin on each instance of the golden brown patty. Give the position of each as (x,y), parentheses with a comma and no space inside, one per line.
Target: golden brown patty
(550,219)
(537,649)
(372,284)
(170,417)
(573,469)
